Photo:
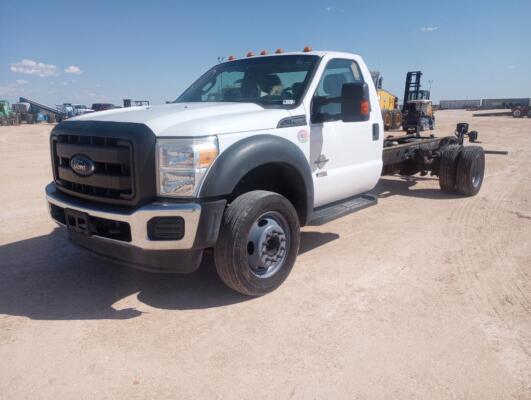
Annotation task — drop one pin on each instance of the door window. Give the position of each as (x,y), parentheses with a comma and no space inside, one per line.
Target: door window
(328,93)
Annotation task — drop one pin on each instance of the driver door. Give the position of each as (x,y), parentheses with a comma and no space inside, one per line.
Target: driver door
(344,156)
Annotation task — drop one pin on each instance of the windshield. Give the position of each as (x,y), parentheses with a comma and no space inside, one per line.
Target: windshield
(276,80)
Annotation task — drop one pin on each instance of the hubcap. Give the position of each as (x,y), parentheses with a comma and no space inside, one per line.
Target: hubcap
(267,244)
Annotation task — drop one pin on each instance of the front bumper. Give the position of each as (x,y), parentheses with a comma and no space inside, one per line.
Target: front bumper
(201,226)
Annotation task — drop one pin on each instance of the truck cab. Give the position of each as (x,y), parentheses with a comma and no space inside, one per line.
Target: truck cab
(250,152)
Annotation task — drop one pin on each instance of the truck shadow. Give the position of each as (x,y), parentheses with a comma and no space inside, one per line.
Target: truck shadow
(47,278)
(406,186)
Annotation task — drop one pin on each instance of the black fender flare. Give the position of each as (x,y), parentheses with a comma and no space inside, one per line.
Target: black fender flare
(252,152)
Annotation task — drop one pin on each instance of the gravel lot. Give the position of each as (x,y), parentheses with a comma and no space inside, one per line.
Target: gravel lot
(426,296)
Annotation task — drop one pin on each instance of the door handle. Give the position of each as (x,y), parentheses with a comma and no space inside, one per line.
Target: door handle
(321,161)
(375,131)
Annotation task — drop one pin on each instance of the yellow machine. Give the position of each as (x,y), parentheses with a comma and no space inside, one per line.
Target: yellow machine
(391,114)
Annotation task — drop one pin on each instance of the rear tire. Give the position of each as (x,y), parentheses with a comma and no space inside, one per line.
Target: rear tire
(258,242)
(470,170)
(448,167)
(397,120)
(387,120)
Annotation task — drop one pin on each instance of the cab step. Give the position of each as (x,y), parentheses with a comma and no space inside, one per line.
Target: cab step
(322,215)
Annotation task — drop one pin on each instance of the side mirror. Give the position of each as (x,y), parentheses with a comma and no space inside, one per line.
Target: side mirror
(316,114)
(355,104)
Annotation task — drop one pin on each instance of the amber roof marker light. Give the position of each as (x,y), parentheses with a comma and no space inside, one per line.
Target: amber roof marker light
(263,53)
(231,58)
(250,54)
(279,51)
(307,49)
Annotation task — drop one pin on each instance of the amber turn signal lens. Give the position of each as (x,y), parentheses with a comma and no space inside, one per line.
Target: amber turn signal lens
(207,157)
(365,107)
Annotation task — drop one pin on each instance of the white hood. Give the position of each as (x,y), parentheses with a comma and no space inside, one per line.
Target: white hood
(195,119)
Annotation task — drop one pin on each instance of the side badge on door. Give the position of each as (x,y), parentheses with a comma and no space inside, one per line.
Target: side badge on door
(303,136)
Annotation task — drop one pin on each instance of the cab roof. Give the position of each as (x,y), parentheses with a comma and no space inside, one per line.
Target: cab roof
(332,54)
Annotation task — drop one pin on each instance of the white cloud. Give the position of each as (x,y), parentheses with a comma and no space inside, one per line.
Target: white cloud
(21,81)
(330,9)
(429,28)
(30,67)
(73,70)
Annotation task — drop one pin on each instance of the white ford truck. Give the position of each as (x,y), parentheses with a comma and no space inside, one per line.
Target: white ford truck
(250,152)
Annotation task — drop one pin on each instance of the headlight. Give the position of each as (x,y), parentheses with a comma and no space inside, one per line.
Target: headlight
(183,163)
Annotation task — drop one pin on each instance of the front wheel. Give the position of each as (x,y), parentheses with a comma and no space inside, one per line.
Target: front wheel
(258,242)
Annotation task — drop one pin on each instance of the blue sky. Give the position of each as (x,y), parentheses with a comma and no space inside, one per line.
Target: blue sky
(95,51)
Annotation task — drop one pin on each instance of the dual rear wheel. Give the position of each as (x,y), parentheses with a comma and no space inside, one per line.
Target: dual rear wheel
(461,169)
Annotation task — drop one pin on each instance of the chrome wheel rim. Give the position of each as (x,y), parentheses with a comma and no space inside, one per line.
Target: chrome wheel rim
(268,244)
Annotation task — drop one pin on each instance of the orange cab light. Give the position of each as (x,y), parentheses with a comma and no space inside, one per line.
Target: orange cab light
(365,107)
(250,54)
(263,53)
(231,58)
(307,49)
(279,51)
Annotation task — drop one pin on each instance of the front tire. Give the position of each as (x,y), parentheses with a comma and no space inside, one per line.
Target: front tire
(258,242)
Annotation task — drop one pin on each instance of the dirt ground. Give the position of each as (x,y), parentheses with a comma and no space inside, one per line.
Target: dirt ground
(425,296)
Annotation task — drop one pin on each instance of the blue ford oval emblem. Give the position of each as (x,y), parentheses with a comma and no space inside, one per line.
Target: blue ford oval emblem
(82,165)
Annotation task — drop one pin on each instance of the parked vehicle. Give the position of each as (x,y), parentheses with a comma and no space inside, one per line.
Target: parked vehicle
(391,114)
(102,106)
(71,110)
(7,115)
(418,116)
(250,152)
(507,103)
(135,103)
(522,110)
(417,109)
(80,109)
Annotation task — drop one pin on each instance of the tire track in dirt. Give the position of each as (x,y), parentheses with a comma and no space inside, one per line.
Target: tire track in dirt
(479,243)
